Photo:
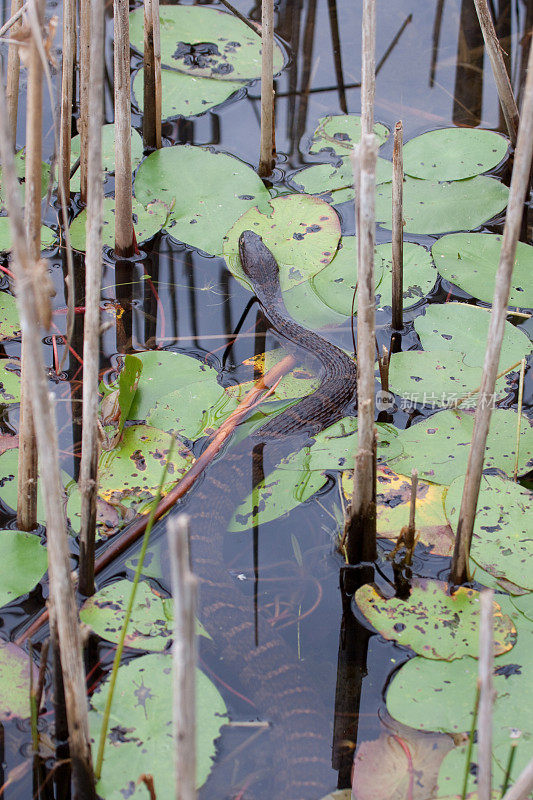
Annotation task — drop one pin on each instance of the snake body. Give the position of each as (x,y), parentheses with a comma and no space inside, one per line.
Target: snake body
(268,671)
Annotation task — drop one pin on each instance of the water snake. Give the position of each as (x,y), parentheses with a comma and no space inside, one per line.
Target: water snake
(268,671)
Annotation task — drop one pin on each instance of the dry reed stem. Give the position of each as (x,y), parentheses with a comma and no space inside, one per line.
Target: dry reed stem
(266,161)
(91,330)
(149,113)
(13,74)
(61,590)
(517,193)
(519,420)
(368,68)
(397,228)
(85,79)
(123,178)
(67,87)
(486,695)
(184,657)
(157,70)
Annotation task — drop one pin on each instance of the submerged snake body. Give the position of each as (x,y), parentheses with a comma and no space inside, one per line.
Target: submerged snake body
(268,672)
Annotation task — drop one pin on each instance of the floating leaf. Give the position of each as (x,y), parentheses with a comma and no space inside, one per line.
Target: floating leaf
(9,317)
(308,309)
(201,211)
(298,382)
(393,499)
(128,382)
(437,378)
(335,447)
(452,771)
(186,96)
(147,221)
(340,132)
(470,261)
(205,42)
(9,381)
(431,207)
(193,410)
(23,562)
(301,231)
(450,154)
(140,737)
(464,328)
(48,236)
(502,542)
(336,183)
(14,681)
(20,168)
(108,153)
(524,604)
(432,622)
(438,446)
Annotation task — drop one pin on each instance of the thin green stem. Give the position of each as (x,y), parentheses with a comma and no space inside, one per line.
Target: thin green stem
(127,616)
(510,760)
(470,744)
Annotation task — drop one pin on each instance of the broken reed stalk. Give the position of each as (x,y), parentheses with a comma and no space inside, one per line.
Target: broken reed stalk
(67,88)
(523,785)
(13,74)
(85,79)
(266,160)
(397,228)
(27,458)
(519,420)
(368,68)
(486,695)
(360,529)
(151,118)
(157,68)
(124,246)
(61,590)
(517,193)
(503,84)
(91,329)
(184,657)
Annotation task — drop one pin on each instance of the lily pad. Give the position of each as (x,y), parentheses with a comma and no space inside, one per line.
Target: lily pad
(140,735)
(201,210)
(301,231)
(438,446)
(451,773)
(9,317)
(147,221)
(436,378)
(184,95)
(524,604)
(335,447)
(14,682)
(205,42)
(308,309)
(20,167)
(193,410)
(450,154)
(432,622)
(464,328)
(419,274)
(432,207)
(336,183)
(108,153)
(23,562)
(340,132)
(48,236)
(470,261)
(502,542)
(9,382)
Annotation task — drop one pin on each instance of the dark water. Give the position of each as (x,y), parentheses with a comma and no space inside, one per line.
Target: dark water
(432,73)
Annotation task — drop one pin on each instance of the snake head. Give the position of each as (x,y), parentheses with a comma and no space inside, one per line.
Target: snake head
(257,261)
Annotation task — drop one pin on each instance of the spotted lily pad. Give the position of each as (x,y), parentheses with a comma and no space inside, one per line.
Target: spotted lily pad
(450,154)
(308,309)
(419,274)
(23,562)
(335,184)
(9,317)
(452,771)
(193,410)
(435,379)
(301,231)
(14,682)
(335,447)
(432,207)
(147,221)
(438,446)
(205,42)
(108,153)
(200,211)
(340,132)
(140,732)
(184,95)
(48,236)
(432,622)
(470,261)
(9,382)
(502,542)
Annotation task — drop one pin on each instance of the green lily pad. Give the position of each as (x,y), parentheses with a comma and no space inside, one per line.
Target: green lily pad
(502,544)
(336,283)
(419,274)
(9,317)
(335,447)
(48,236)
(336,183)
(298,382)
(108,153)
(184,95)
(463,328)
(438,446)
(9,382)
(450,154)
(301,231)
(432,622)
(436,378)
(140,734)
(201,211)
(524,604)
(14,682)
(340,132)
(134,468)
(147,221)
(23,562)
(205,42)
(470,261)
(452,770)
(20,167)
(432,207)
(308,309)
(193,410)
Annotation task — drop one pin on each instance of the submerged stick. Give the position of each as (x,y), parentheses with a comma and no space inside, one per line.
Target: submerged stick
(85,79)
(184,657)
(486,695)
(503,84)
(91,331)
(67,88)
(123,180)
(266,160)
(368,70)
(517,194)
(397,228)
(13,74)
